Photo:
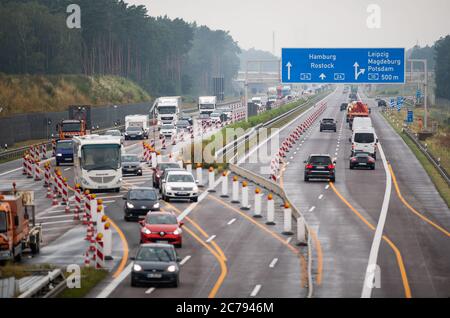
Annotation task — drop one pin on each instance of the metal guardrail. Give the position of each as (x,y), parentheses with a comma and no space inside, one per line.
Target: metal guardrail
(17,153)
(47,287)
(429,156)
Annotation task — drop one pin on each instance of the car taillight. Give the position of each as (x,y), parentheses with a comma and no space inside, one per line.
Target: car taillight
(353,159)
(330,167)
(308,166)
(353,146)
(371,160)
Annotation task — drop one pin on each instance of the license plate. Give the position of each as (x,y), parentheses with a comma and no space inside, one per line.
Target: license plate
(363,164)
(153,275)
(161,241)
(101,187)
(182,193)
(129,169)
(320,167)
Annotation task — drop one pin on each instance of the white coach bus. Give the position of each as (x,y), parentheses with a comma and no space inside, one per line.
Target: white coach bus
(97,162)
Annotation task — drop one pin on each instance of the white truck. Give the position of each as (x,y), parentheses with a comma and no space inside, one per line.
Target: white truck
(361,122)
(141,121)
(97,162)
(207,104)
(364,140)
(167,109)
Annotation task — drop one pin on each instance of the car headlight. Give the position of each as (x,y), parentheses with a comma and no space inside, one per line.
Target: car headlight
(168,188)
(195,188)
(130,205)
(171,268)
(146,231)
(177,231)
(84,181)
(137,267)
(156,205)
(59,155)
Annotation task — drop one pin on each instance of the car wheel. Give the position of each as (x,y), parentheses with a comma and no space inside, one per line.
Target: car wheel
(126,218)
(139,174)
(195,199)
(351,167)
(133,283)
(179,245)
(333,179)
(375,156)
(167,199)
(373,167)
(117,190)
(57,163)
(306,179)
(177,282)
(335,130)
(320,129)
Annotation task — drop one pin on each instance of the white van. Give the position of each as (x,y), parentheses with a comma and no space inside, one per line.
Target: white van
(361,123)
(364,140)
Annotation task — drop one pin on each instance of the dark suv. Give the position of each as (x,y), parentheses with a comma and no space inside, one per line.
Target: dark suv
(320,166)
(328,124)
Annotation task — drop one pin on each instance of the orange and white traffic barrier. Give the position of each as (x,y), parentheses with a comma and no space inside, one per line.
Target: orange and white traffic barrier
(87,207)
(87,259)
(245,205)
(99,252)
(65,194)
(224,185)
(235,190)
(199,175)
(99,216)
(171,158)
(29,163)
(211,179)
(163,143)
(287,222)
(78,202)
(37,171)
(174,140)
(270,210)
(24,163)
(107,240)
(47,174)
(258,202)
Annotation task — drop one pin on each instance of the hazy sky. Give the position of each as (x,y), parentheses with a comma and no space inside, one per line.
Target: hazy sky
(313,23)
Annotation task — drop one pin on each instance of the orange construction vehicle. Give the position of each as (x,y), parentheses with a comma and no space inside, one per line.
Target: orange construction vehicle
(71,127)
(356,109)
(17,231)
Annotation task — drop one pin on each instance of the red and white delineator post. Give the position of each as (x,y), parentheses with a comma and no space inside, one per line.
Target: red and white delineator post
(99,252)
(78,202)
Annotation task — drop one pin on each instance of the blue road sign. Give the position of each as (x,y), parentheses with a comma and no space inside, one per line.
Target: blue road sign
(399,102)
(410,117)
(392,102)
(377,65)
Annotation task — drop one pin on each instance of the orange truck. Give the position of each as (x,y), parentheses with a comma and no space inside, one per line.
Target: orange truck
(71,127)
(357,109)
(17,232)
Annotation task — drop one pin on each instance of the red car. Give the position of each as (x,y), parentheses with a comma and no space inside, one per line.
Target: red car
(161,227)
(159,169)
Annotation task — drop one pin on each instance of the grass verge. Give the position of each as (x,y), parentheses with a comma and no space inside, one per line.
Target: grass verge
(90,277)
(437,179)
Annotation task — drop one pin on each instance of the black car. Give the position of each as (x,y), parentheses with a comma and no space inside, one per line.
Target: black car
(320,166)
(139,201)
(328,124)
(362,160)
(131,164)
(134,133)
(183,124)
(343,106)
(155,263)
(187,118)
(382,103)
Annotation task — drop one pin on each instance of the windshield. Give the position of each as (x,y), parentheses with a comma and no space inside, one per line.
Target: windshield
(364,138)
(134,128)
(167,109)
(100,157)
(180,178)
(167,127)
(71,127)
(155,254)
(327,120)
(320,160)
(215,115)
(130,158)
(161,219)
(64,145)
(143,195)
(207,106)
(164,166)
(182,123)
(3,226)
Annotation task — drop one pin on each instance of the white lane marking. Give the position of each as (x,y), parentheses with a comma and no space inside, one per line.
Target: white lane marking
(10,171)
(109,197)
(109,201)
(327,186)
(116,281)
(291,158)
(57,222)
(335,153)
(255,291)
(289,239)
(273,263)
(67,169)
(320,197)
(150,290)
(231,221)
(312,208)
(184,260)
(295,152)
(372,263)
(212,237)
(54,217)
(287,163)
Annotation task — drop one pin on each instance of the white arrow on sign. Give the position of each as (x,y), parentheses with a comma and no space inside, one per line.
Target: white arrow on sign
(322,76)
(357,73)
(289,65)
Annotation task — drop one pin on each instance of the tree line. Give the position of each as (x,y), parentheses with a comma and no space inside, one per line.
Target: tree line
(165,56)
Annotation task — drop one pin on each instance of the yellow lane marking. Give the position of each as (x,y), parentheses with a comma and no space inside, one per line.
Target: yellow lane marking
(199,228)
(398,255)
(273,234)
(420,215)
(217,254)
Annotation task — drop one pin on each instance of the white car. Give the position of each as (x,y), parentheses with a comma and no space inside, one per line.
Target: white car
(115,133)
(179,185)
(215,118)
(168,130)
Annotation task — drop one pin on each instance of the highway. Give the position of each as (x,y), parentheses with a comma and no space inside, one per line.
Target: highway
(413,256)
(398,222)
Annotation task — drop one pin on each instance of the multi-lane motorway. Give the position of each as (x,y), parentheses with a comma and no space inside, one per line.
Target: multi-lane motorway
(391,216)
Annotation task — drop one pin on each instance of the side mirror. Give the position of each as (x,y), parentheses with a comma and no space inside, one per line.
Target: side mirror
(377,140)
(141,222)
(304,161)
(132,258)
(178,259)
(197,181)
